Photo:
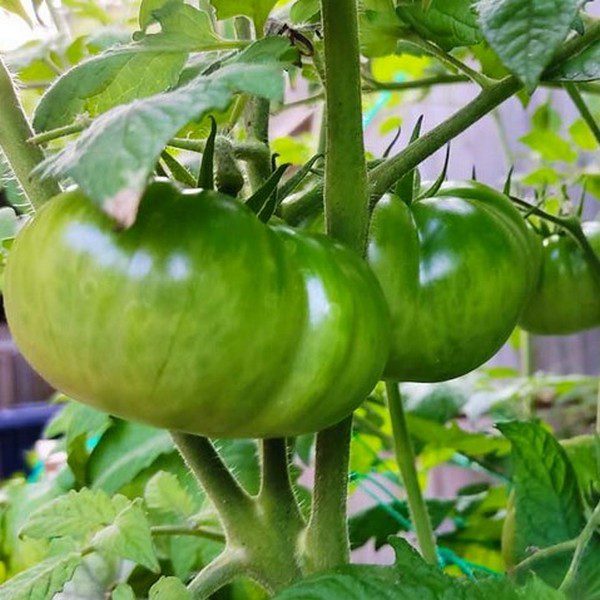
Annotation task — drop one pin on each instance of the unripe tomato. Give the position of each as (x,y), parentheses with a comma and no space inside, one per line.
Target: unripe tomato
(198,318)
(566,298)
(456,270)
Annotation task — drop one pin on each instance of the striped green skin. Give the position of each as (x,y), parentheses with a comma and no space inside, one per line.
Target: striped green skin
(456,270)
(198,318)
(566,298)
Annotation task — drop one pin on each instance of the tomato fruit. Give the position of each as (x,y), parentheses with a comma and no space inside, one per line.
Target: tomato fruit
(456,270)
(566,298)
(198,318)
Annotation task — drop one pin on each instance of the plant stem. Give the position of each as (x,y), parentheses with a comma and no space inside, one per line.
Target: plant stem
(60,132)
(446,58)
(572,226)
(526,354)
(385,175)
(230,499)
(582,541)
(400,86)
(346,217)
(208,534)
(526,563)
(22,157)
(583,109)
(219,572)
(276,486)
(327,544)
(406,461)
(346,213)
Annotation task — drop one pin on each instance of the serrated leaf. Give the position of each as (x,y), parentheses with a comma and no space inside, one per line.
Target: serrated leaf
(585,66)
(125,450)
(41,581)
(128,72)
(526,33)
(129,537)
(448,23)
(548,506)
(76,419)
(166,495)
(108,146)
(169,588)
(76,514)
(257,10)
(410,578)
(123,592)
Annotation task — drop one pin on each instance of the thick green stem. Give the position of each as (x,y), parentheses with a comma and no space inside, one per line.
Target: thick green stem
(232,502)
(218,573)
(276,489)
(346,216)
(582,541)
(208,534)
(346,199)
(327,544)
(22,156)
(406,461)
(583,109)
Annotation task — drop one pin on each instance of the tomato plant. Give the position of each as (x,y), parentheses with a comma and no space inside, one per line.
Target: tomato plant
(218,360)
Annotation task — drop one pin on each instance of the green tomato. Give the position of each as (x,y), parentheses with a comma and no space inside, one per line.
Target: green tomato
(456,270)
(566,298)
(198,318)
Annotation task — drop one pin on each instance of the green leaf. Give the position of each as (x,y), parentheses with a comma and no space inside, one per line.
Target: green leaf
(542,176)
(41,581)
(439,403)
(129,537)
(257,10)
(76,419)
(410,578)
(453,437)
(147,8)
(526,33)
(583,455)
(166,495)
(75,514)
(548,506)
(16,7)
(582,135)
(241,457)
(585,66)
(169,588)
(125,450)
(380,28)
(448,23)
(107,146)
(383,520)
(128,72)
(304,11)
(123,592)
(545,117)
(8,223)
(549,145)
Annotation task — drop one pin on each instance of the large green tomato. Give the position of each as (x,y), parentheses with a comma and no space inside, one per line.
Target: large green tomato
(456,270)
(198,318)
(566,298)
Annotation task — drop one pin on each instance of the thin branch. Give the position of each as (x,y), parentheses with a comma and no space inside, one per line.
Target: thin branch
(231,501)
(60,132)
(405,457)
(583,109)
(209,534)
(218,573)
(582,542)
(527,563)
(386,174)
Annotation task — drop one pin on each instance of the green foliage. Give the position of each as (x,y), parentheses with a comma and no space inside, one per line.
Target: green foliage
(257,10)
(526,33)
(448,23)
(411,578)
